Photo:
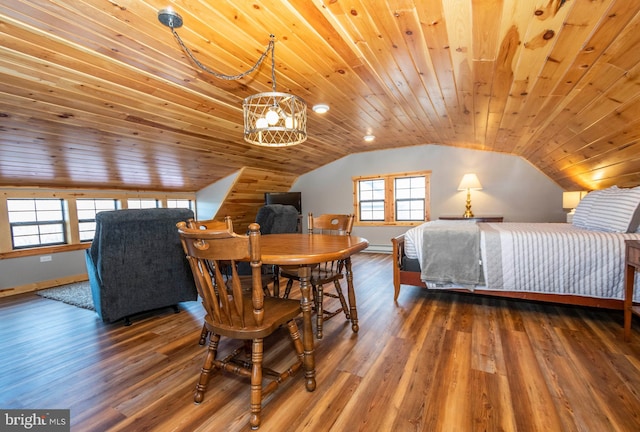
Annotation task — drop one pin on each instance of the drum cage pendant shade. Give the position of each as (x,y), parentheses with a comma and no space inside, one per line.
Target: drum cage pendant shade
(271,119)
(275,119)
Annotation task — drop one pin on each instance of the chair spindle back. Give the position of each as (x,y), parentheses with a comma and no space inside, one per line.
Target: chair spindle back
(208,250)
(336,224)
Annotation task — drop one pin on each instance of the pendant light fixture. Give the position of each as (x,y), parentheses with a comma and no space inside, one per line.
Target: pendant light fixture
(271,119)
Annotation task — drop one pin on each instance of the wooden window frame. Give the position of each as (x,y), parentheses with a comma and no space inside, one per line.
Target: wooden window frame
(69,197)
(389,201)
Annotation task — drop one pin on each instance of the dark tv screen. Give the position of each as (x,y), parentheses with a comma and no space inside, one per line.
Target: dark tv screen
(285,198)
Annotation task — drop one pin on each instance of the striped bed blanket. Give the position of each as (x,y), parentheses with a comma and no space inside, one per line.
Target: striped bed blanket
(556,258)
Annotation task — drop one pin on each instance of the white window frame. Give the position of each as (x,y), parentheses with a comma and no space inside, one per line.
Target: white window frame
(415,201)
(40,222)
(179,203)
(143,203)
(84,220)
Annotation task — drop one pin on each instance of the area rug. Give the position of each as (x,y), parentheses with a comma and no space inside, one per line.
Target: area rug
(76,294)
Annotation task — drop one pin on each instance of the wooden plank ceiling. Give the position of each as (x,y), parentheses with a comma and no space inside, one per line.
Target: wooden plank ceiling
(97,93)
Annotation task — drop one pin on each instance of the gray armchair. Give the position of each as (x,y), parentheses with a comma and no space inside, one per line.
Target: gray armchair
(277,219)
(274,219)
(136,262)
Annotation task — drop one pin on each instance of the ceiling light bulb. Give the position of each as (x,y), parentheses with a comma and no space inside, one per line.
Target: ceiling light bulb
(369,138)
(262,123)
(288,122)
(272,117)
(320,108)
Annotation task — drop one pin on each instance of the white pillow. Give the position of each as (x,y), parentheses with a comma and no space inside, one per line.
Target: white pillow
(581,216)
(615,210)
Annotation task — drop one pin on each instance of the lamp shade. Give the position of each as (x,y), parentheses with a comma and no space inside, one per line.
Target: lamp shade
(570,200)
(275,119)
(469,181)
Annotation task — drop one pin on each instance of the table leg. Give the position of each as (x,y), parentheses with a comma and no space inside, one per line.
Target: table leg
(307,330)
(353,312)
(629,276)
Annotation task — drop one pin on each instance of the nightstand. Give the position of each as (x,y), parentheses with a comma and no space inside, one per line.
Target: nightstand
(476,218)
(632,259)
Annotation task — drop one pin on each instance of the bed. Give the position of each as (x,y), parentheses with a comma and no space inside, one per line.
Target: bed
(580,263)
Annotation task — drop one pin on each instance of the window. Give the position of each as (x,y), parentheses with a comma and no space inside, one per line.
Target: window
(180,203)
(36,222)
(392,198)
(409,195)
(371,193)
(87,210)
(140,203)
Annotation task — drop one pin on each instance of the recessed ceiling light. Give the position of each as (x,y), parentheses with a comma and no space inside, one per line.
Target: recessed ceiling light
(369,138)
(321,108)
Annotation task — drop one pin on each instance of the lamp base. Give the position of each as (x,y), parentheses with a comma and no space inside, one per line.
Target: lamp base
(468,213)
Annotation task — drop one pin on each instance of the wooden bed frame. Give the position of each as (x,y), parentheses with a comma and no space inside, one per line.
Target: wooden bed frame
(401,276)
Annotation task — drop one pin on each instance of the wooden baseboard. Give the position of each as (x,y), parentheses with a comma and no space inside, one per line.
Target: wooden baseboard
(5,292)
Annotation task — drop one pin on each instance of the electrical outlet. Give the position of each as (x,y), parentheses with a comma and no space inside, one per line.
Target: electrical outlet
(45,258)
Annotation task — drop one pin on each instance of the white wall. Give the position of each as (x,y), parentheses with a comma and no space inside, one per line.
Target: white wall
(209,199)
(512,187)
(22,271)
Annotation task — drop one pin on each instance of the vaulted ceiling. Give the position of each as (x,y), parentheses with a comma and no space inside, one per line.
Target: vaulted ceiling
(98,93)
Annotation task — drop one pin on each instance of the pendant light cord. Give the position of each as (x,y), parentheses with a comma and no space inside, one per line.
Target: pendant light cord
(270,48)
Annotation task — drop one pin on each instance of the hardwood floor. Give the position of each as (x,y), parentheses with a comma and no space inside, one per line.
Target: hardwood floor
(435,361)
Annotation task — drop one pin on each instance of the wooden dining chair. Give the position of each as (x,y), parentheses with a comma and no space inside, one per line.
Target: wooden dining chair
(212,225)
(327,272)
(248,316)
(227,225)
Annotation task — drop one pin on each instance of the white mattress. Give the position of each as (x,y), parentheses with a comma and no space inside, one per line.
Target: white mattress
(545,257)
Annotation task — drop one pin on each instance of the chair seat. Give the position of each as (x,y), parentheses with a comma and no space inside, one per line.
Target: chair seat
(277,311)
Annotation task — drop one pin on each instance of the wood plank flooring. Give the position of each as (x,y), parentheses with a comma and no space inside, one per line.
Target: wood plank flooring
(435,361)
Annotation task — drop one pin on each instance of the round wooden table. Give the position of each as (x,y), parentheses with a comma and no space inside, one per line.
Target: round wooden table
(306,250)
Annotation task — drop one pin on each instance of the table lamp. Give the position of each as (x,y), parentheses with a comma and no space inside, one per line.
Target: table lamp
(469,181)
(570,201)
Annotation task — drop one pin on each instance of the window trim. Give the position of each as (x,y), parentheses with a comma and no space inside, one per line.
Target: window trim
(389,200)
(69,197)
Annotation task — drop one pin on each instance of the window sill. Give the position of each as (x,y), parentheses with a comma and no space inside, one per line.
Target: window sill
(44,250)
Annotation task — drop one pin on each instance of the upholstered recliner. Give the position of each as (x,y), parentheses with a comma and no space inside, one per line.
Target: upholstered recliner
(277,219)
(274,219)
(136,262)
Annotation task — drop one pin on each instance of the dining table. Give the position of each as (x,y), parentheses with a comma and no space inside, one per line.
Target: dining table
(305,251)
